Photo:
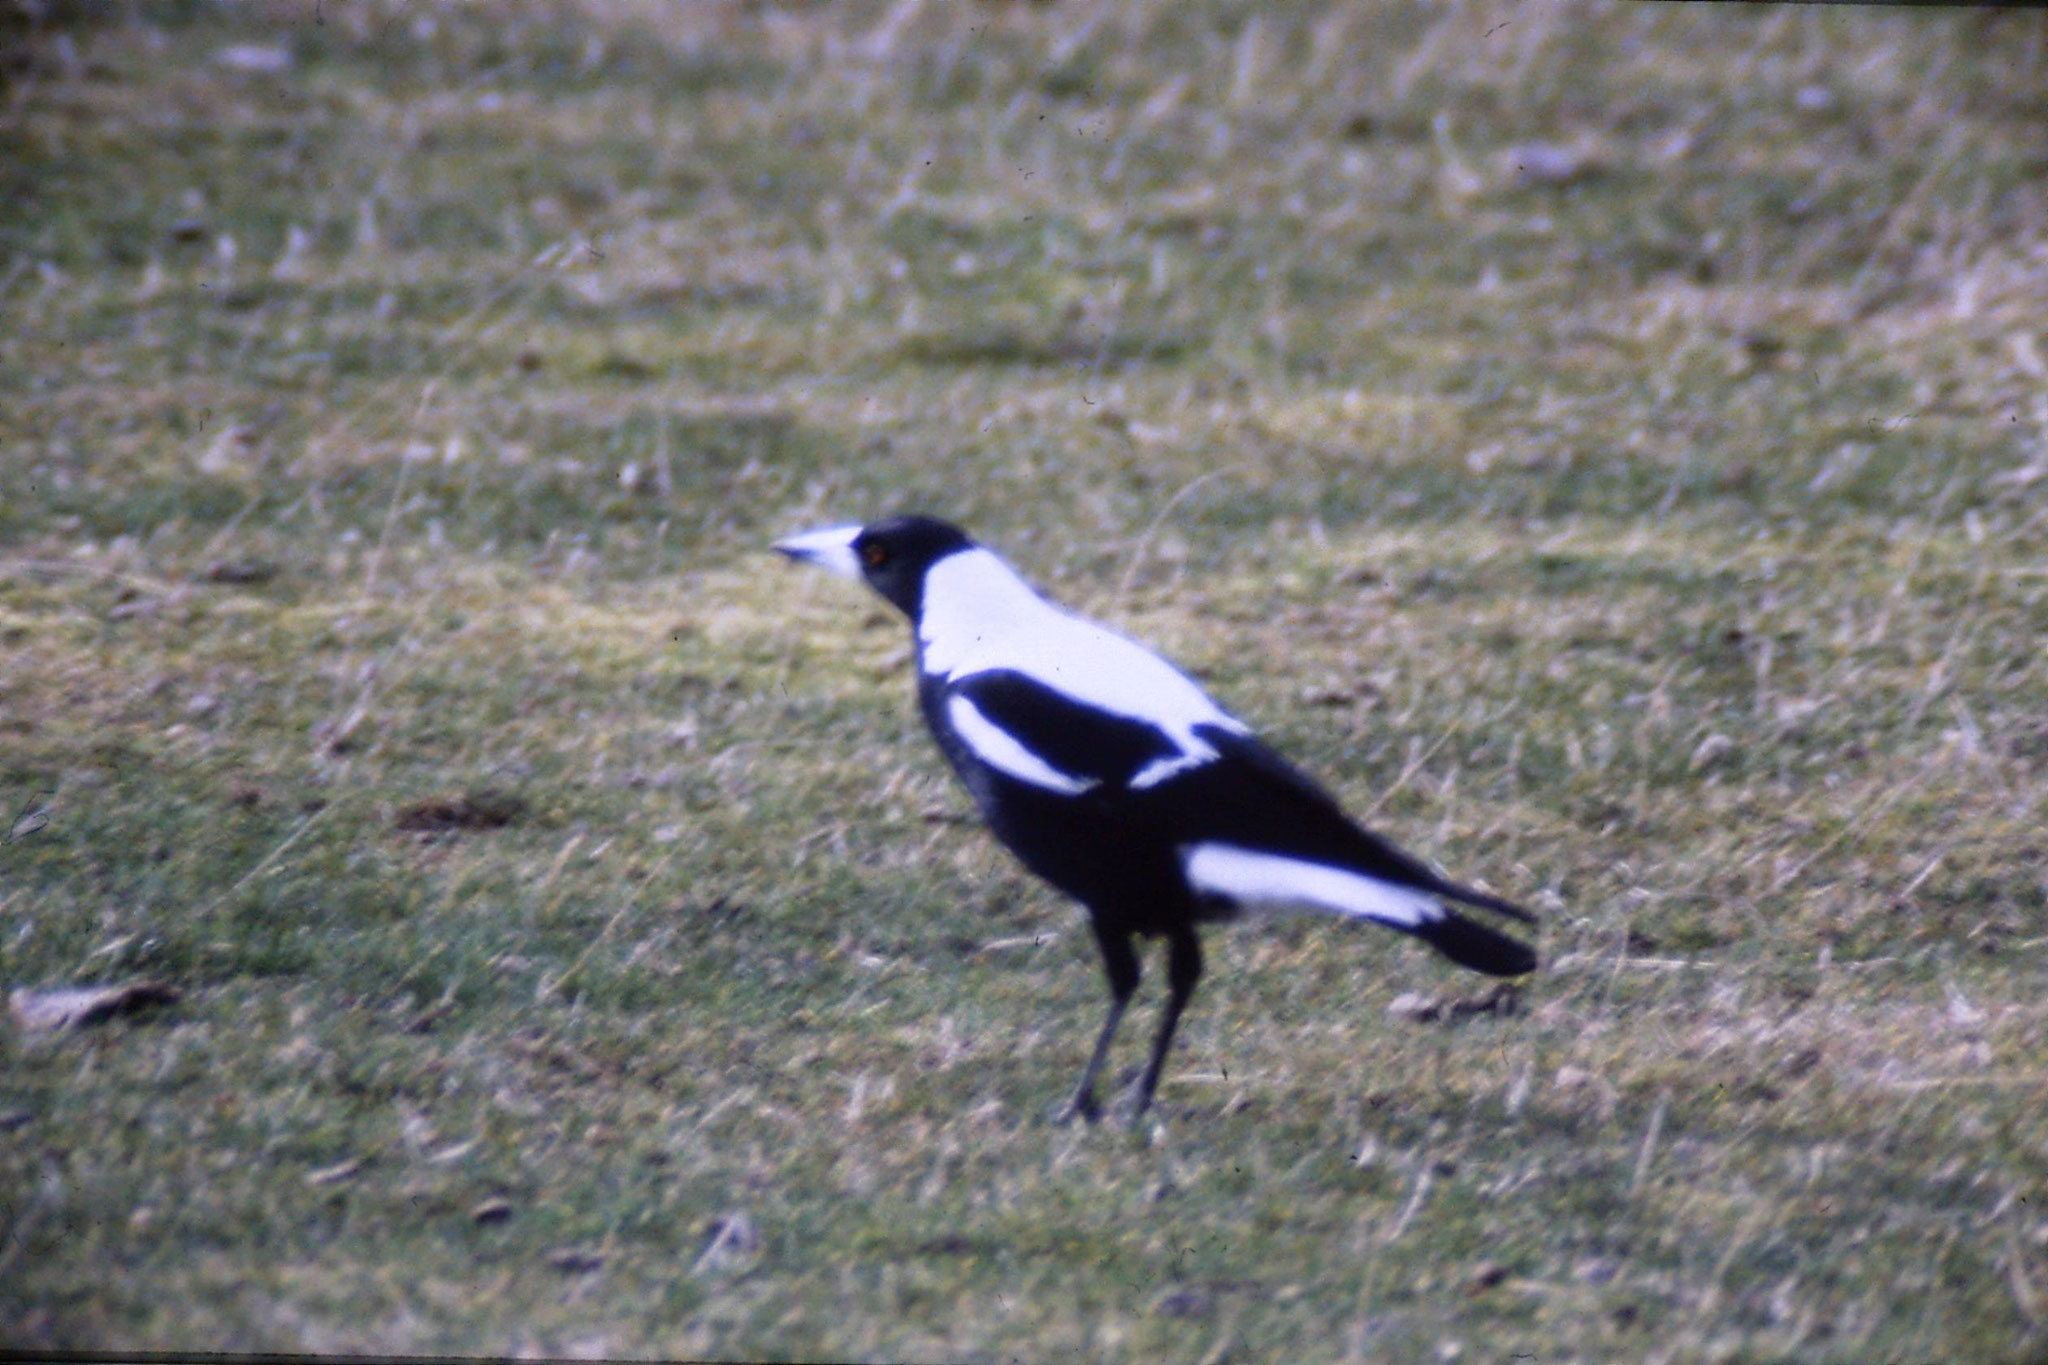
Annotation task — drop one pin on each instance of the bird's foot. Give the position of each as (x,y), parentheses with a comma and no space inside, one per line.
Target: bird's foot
(1135,1108)
(1081,1106)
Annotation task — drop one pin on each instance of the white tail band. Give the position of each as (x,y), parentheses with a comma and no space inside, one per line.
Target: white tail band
(1253,878)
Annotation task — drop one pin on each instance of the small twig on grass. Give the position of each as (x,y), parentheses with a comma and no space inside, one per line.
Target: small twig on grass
(264,863)
(1024,941)
(1571,961)
(1649,1147)
(1413,766)
(737,1096)
(549,988)
(1882,626)
(1145,536)
(547,881)
(1710,1298)
(398,487)
(1890,797)
(1938,676)
(1424,1178)
(2024,1296)
(1920,877)
(2019,1079)
(52,569)
(1902,214)
(220,537)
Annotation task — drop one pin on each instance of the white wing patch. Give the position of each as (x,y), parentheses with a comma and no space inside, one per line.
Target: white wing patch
(1001,750)
(1194,752)
(1251,877)
(978,615)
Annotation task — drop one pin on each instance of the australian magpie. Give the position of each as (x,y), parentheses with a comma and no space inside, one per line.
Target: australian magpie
(1115,778)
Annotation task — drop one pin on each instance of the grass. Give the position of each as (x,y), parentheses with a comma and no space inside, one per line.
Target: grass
(582,952)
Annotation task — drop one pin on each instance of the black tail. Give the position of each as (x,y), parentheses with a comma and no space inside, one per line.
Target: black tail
(1471,944)
(1446,887)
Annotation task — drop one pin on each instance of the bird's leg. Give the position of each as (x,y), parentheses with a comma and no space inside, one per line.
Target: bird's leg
(1121,963)
(1183,970)
(1083,1104)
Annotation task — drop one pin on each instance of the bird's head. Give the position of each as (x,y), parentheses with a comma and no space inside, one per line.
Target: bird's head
(890,556)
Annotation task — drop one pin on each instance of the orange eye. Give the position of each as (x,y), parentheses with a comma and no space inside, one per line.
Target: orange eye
(874,555)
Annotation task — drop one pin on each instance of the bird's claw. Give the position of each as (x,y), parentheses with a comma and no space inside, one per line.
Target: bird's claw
(1134,1106)
(1082,1106)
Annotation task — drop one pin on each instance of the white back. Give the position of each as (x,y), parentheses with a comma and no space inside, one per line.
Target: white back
(979,616)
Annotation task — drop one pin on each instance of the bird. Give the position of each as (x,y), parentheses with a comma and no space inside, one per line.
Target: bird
(1113,776)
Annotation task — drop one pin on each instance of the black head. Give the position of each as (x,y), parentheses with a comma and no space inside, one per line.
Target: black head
(891,556)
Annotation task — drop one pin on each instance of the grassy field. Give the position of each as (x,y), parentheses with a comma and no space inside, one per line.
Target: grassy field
(1608,443)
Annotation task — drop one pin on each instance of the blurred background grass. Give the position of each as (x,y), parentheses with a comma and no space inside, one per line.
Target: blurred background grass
(1605,441)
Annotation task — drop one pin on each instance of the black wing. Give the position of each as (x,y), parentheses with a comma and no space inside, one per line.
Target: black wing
(1068,735)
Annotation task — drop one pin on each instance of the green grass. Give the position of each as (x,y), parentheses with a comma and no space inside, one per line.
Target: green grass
(1661,544)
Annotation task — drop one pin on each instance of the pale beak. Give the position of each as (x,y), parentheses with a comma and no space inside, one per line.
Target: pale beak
(830,549)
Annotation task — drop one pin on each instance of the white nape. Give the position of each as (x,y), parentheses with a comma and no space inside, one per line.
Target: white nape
(1271,879)
(979,616)
(1002,751)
